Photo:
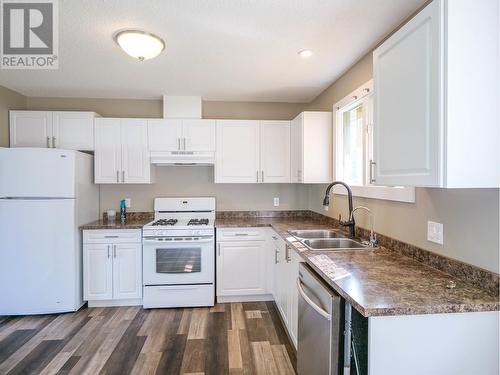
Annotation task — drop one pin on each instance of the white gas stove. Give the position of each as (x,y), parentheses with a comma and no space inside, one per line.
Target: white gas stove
(179,253)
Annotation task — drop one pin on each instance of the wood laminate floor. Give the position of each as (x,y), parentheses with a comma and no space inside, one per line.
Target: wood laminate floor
(237,338)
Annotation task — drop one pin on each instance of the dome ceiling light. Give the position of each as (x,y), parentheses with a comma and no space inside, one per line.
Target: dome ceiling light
(140,44)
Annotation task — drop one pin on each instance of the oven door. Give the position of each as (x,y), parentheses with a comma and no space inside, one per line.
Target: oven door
(178,260)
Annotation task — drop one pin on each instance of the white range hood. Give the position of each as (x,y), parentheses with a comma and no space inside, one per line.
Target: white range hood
(184,108)
(185,158)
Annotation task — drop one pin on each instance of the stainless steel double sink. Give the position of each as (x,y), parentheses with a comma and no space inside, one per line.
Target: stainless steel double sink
(327,240)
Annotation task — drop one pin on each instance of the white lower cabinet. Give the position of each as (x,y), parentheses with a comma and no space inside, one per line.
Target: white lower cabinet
(112,267)
(241,265)
(285,272)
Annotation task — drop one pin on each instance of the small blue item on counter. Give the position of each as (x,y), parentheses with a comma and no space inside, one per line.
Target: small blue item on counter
(123,211)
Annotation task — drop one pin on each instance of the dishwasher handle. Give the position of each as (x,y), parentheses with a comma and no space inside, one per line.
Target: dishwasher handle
(318,309)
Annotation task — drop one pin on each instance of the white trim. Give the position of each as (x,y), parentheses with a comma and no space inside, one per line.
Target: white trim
(249,298)
(115,302)
(389,193)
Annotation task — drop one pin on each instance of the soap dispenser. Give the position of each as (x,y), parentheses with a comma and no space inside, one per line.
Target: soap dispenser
(123,211)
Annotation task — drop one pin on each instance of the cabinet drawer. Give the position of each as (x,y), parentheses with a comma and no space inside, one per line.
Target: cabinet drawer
(112,236)
(241,234)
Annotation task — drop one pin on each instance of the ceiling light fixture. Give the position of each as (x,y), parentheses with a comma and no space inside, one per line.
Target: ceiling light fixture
(140,44)
(305,53)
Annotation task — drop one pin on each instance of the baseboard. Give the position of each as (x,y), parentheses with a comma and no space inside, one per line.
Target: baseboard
(115,303)
(249,298)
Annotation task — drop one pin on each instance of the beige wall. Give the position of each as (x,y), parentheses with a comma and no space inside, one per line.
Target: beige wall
(8,100)
(470,216)
(198,181)
(153,108)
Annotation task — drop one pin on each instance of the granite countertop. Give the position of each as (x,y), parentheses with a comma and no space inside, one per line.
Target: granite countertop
(133,223)
(379,282)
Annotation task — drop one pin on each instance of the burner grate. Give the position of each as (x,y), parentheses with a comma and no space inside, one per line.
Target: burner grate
(198,222)
(165,222)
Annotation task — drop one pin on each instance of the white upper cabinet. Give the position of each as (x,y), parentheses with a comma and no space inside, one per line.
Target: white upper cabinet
(275,151)
(198,135)
(237,155)
(250,151)
(30,129)
(136,167)
(181,135)
(66,130)
(311,148)
(164,135)
(73,130)
(121,152)
(435,91)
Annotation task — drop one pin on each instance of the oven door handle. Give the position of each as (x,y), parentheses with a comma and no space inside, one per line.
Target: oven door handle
(154,241)
(318,309)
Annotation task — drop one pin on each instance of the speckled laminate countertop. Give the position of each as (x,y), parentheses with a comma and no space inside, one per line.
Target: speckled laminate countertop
(135,223)
(379,282)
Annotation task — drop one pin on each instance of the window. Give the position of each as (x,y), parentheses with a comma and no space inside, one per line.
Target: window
(353,145)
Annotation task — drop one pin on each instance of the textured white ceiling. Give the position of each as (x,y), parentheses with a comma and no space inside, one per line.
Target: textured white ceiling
(243,50)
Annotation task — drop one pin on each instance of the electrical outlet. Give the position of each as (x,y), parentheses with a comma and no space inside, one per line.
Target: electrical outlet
(128,202)
(435,232)
(276,202)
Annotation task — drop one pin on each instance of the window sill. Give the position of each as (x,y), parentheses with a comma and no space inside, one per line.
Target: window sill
(389,193)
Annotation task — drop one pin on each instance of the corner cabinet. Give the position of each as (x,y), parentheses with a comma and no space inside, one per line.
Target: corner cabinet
(68,130)
(121,151)
(311,148)
(436,98)
(250,151)
(112,267)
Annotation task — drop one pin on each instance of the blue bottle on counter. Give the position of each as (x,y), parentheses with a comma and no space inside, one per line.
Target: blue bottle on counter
(123,211)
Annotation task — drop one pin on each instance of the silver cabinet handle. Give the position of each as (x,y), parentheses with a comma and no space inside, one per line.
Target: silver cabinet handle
(184,143)
(53,142)
(262,174)
(118,176)
(123,176)
(372,178)
(241,234)
(275,238)
(276,252)
(287,254)
(318,309)
(108,250)
(48,142)
(111,236)
(114,251)
(218,248)
(257,173)
(178,143)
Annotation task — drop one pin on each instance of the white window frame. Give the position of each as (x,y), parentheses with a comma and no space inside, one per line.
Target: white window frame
(391,193)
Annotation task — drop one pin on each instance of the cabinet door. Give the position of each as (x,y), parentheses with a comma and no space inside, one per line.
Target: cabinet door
(296,149)
(164,134)
(317,156)
(107,157)
(30,129)
(73,130)
(97,272)
(282,281)
(293,303)
(198,135)
(407,113)
(136,167)
(237,151)
(127,271)
(240,268)
(275,151)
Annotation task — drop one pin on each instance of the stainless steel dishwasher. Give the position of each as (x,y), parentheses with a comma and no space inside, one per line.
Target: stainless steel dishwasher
(320,328)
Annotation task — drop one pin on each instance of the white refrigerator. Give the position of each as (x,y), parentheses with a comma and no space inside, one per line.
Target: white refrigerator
(45,195)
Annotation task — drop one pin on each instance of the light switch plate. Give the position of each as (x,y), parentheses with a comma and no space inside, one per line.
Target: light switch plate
(128,202)
(435,232)
(276,202)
